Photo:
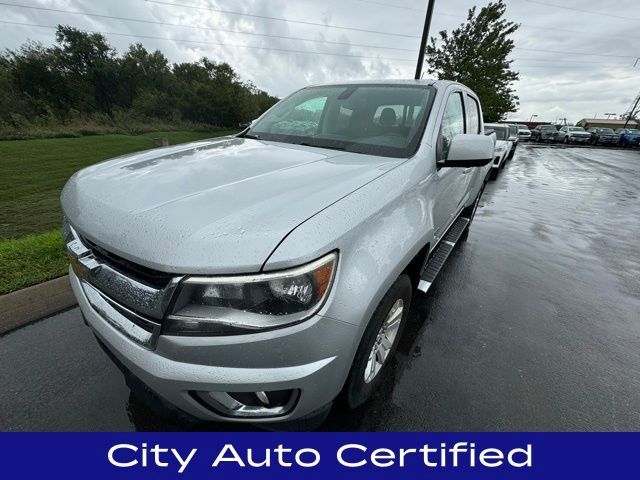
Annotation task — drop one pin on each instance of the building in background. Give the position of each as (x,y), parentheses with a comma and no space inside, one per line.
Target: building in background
(614,123)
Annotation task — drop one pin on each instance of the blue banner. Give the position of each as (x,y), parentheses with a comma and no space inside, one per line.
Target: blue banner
(271,456)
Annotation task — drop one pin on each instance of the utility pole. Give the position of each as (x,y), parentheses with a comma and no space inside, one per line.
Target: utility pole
(632,111)
(425,38)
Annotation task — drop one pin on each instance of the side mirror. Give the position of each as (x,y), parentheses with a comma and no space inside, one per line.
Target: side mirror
(246,125)
(470,150)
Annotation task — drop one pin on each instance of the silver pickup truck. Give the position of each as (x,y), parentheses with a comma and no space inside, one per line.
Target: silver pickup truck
(253,278)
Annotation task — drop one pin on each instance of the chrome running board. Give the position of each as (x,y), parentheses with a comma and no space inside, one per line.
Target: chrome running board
(439,256)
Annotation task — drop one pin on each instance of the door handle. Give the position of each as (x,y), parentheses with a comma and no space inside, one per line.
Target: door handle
(466,170)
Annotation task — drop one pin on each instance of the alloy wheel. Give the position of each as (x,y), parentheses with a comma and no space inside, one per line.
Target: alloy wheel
(384,341)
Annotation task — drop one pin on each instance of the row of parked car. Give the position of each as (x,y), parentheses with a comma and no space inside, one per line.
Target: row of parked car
(622,137)
(507,138)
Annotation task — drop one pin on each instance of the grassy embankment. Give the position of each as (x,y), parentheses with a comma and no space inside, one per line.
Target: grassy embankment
(32,174)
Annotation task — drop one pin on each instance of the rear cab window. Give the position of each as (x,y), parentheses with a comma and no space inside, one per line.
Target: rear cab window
(473,115)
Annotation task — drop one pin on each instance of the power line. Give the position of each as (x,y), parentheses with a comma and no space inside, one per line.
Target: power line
(194,27)
(256,47)
(564,52)
(278,19)
(584,10)
(413,9)
(401,7)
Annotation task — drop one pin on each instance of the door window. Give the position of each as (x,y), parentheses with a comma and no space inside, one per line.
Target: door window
(452,122)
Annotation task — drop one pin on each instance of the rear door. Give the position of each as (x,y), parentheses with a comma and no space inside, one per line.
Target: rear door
(451,182)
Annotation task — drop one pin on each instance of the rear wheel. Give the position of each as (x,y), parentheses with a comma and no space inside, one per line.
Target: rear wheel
(379,342)
(470,213)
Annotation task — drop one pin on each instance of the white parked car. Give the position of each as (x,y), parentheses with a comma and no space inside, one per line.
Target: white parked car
(503,146)
(523,132)
(573,135)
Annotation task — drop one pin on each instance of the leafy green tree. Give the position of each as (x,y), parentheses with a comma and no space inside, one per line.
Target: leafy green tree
(90,67)
(143,71)
(476,54)
(82,76)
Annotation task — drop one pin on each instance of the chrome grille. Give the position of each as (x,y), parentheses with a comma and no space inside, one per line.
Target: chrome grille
(140,289)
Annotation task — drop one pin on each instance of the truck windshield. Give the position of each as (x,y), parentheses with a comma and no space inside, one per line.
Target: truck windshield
(385,120)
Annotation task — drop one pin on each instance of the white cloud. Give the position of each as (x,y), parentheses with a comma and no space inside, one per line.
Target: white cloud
(552,84)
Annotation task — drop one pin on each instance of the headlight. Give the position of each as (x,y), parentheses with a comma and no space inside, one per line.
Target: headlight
(230,305)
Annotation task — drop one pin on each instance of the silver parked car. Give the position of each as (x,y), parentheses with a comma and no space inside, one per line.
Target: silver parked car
(255,277)
(573,135)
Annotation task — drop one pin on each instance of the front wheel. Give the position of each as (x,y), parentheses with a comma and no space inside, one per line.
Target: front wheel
(565,140)
(379,343)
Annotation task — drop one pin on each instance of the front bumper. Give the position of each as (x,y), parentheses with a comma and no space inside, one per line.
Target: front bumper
(579,139)
(312,358)
(634,141)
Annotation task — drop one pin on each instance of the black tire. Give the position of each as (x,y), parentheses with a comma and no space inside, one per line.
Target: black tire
(470,213)
(356,389)
(494,174)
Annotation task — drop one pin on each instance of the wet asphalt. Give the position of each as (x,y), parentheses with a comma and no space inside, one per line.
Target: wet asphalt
(533,324)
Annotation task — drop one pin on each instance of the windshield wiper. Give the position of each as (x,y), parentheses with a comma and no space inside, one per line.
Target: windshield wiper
(251,136)
(305,144)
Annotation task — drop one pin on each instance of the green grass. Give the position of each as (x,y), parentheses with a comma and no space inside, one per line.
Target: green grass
(32,174)
(30,260)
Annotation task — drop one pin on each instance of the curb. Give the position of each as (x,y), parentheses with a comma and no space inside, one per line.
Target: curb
(33,303)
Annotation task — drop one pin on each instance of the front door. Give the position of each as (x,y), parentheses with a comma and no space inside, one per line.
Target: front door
(452,182)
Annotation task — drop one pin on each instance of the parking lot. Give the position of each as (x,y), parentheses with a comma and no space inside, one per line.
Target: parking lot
(534,323)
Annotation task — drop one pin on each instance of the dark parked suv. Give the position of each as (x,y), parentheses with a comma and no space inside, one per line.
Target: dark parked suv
(603,136)
(544,133)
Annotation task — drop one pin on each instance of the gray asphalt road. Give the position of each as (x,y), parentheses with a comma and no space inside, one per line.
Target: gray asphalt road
(534,323)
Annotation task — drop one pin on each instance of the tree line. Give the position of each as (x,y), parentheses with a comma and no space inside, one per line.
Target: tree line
(82,76)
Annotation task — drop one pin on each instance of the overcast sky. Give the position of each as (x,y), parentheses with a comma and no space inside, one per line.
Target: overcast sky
(552,84)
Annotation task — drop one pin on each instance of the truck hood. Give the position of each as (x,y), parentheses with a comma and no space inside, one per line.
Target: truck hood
(216,206)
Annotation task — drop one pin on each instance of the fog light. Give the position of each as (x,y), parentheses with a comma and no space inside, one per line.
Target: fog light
(259,404)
